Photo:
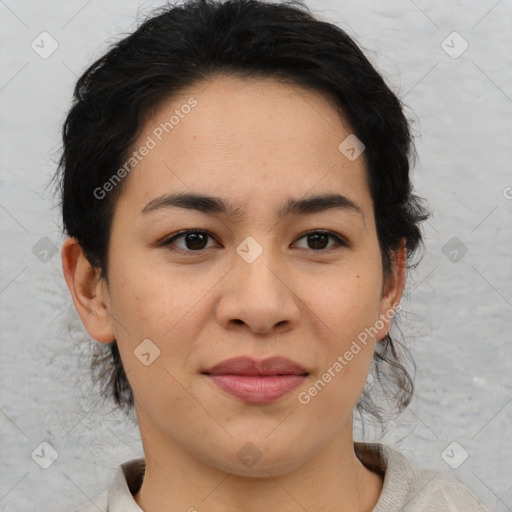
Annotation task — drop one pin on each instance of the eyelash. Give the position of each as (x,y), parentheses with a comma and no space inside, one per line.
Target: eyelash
(169,241)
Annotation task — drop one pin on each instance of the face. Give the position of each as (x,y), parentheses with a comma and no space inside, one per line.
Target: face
(307,285)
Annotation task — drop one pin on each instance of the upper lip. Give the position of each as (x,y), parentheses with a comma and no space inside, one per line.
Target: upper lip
(248,366)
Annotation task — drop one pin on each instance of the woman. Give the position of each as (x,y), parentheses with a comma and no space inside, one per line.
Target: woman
(235,188)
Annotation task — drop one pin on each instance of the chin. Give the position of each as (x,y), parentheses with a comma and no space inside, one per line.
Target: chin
(251,461)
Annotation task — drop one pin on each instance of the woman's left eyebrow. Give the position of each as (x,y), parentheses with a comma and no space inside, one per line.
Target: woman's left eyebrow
(210,204)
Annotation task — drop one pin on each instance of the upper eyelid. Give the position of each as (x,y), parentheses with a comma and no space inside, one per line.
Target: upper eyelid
(167,241)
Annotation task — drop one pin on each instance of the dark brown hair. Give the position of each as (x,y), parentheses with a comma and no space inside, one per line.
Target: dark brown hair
(178,46)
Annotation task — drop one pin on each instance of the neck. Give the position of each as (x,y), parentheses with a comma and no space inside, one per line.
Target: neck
(334,480)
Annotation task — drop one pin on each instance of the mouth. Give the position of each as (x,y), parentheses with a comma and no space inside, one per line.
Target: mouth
(272,366)
(257,382)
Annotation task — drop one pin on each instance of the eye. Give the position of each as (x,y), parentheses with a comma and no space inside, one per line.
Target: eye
(194,240)
(318,239)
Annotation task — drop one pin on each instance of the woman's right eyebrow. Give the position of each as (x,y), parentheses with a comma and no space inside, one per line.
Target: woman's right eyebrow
(217,205)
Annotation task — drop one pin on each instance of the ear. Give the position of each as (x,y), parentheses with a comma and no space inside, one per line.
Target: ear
(392,290)
(89,292)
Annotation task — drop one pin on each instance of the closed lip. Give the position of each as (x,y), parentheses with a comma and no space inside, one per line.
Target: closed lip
(246,365)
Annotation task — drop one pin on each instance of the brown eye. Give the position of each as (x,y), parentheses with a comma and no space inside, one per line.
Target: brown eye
(197,240)
(319,240)
(194,240)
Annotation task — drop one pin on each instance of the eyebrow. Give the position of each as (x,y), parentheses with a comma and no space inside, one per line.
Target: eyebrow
(217,205)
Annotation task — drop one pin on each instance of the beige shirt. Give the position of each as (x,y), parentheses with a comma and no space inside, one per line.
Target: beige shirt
(406,488)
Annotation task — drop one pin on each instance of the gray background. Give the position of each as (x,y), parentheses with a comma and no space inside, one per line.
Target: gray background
(456,319)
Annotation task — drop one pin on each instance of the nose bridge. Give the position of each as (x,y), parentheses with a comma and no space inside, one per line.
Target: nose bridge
(256,260)
(258,295)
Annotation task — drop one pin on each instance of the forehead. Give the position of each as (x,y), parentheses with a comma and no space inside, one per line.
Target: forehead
(248,140)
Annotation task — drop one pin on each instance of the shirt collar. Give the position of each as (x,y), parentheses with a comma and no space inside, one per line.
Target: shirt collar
(125,482)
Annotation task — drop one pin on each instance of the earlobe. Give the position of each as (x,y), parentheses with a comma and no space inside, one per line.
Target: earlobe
(88,291)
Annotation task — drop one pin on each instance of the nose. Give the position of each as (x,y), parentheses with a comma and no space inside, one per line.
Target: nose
(259,295)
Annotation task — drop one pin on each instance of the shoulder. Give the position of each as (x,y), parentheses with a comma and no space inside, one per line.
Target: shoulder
(429,490)
(125,480)
(435,491)
(412,489)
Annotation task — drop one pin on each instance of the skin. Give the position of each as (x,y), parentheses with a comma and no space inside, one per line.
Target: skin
(255,143)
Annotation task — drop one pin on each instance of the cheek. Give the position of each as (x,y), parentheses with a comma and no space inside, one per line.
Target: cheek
(145,312)
(334,393)
(151,300)
(346,302)
(347,307)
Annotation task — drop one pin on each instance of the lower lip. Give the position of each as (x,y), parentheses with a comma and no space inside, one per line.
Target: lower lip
(257,389)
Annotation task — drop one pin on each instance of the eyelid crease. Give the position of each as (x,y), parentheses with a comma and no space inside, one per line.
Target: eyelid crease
(167,241)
